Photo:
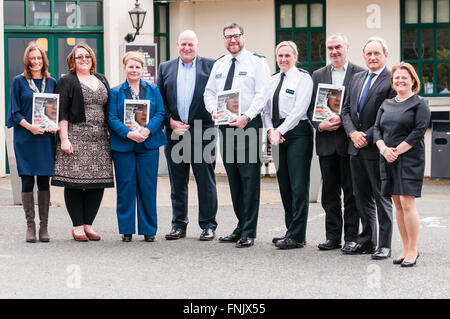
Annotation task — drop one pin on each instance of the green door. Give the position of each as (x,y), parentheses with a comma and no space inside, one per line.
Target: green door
(56,46)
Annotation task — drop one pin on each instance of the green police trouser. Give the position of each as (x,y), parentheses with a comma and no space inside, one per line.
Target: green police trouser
(242,163)
(293,162)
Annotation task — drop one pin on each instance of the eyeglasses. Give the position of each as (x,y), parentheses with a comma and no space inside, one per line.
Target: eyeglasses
(235,36)
(81,57)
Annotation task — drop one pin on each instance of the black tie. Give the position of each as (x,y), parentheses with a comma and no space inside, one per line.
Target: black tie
(276,108)
(229,80)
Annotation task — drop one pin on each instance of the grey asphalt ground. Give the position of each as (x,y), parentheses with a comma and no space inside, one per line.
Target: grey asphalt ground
(188,268)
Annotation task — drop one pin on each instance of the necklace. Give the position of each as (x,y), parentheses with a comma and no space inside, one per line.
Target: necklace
(397,99)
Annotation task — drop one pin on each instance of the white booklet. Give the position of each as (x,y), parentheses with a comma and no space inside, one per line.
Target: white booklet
(228,106)
(136,113)
(328,101)
(45,110)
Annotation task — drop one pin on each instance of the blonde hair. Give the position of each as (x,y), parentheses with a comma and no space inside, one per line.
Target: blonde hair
(290,44)
(32,46)
(135,56)
(408,67)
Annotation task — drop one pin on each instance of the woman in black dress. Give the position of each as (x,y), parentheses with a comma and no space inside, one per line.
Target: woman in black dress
(399,134)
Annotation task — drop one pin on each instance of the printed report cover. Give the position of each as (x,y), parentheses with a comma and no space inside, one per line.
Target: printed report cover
(136,113)
(228,106)
(45,110)
(328,101)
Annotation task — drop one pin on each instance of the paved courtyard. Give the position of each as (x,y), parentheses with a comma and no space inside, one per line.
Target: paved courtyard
(188,268)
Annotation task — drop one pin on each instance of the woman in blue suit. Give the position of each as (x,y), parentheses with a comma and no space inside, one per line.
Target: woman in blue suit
(136,152)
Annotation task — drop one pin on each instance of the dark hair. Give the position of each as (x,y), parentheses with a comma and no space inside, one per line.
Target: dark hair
(32,46)
(71,57)
(233,26)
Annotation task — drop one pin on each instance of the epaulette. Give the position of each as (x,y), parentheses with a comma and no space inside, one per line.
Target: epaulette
(220,57)
(258,55)
(303,70)
(276,73)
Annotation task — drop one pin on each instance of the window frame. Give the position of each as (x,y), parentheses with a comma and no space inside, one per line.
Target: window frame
(52,27)
(419,26)
(158,33)
(308,65)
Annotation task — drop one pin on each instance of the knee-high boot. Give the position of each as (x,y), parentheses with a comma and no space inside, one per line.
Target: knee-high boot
(43,203)
(28,207)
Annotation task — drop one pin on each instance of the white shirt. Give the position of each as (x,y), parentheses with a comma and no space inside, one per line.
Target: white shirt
(377,73)
(251,76)
(294,99)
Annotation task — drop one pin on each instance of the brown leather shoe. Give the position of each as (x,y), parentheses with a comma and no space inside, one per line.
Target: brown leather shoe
(79,237)
(92,236)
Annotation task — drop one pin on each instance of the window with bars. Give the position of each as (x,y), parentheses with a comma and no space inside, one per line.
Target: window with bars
(426,43)
(303,22)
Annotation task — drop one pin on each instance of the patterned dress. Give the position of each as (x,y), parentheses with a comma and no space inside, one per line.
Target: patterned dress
(90,165)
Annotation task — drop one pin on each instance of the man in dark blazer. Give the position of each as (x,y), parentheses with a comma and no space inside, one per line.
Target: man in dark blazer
(331,147)
(367,92)
(182,82)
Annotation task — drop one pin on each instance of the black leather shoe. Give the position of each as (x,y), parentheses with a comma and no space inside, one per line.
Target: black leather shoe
(329,245)
(207,234)
(381,253)
(347,245)
(245,242)
(127,238)
(288,243)
(176,233)
(275,239)
(410,264)
(398,261)
(229,239)
(357,249)
(149,238)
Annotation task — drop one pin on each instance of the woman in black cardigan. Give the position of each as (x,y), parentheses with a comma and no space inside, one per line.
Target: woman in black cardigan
(83,164)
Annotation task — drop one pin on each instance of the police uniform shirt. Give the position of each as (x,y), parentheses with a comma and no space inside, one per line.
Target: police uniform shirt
(251,76)
(294,99)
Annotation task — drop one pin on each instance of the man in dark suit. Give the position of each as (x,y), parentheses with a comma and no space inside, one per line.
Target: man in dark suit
(367,92)
(182,82)
(331,147)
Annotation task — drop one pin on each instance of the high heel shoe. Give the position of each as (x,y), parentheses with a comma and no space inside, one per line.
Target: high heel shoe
(398,261)
(410,264)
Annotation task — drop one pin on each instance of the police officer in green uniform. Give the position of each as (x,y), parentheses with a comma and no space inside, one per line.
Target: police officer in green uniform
(291,135)
(240,142)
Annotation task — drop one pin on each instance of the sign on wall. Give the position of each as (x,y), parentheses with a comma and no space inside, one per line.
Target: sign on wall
(149,51)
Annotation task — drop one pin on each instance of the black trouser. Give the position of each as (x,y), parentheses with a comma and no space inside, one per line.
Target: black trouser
(337,178)
(206,188)
(28,183)
(370,203)
(243,166)
(83,204)
(292,160)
